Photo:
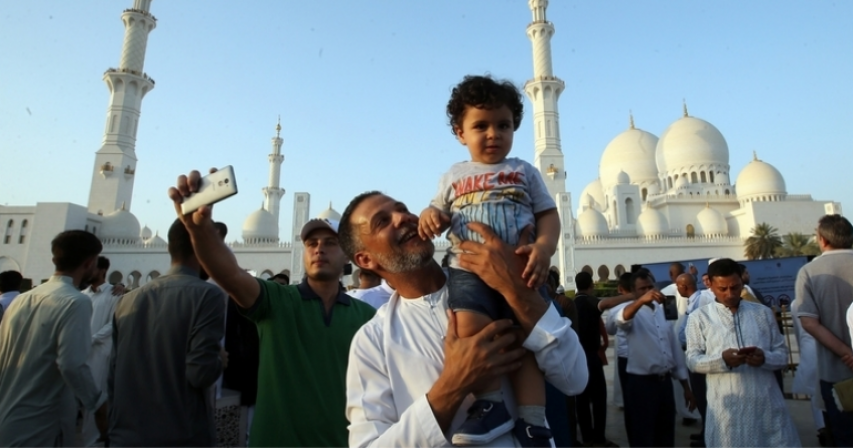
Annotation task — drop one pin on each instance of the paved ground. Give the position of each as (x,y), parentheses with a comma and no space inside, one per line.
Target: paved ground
(800,412)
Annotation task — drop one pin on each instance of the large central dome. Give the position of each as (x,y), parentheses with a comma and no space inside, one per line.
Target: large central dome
(633,152)
(691,142)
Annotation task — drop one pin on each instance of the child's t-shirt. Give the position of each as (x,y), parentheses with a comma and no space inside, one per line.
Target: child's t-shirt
(505,196)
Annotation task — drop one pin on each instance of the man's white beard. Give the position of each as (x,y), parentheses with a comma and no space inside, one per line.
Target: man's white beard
(397,263)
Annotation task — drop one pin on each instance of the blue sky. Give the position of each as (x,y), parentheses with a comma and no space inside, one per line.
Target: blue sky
(361,89)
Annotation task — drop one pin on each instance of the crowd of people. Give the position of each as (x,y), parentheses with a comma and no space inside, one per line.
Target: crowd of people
(484,350)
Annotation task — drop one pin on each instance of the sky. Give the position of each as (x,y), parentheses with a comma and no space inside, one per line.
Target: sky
(361,88)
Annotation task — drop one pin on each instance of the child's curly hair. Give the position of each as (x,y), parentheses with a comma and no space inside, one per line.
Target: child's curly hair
(483,92)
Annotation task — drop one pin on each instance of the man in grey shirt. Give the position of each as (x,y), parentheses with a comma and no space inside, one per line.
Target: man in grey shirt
(45,344)
(166,354)
(824,292)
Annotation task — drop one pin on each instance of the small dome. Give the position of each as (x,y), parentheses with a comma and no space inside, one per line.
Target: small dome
(760,179)
(594,191)
(681,183)
(652,223)
(260,226)
(120,225)
(622,178)
(155,241)
(145,233)
(330,214)
(711,222)
(633,152)
(591,223)
(690,142)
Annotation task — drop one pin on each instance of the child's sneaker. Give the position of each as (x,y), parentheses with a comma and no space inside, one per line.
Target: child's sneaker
(486,421)
(532,436)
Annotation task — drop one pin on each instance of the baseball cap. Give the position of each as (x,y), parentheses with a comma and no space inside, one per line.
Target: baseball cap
(317,224)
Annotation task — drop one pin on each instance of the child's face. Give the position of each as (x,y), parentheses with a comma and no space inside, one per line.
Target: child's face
(487,133)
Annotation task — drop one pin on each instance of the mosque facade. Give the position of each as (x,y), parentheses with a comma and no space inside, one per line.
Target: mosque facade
(656,199)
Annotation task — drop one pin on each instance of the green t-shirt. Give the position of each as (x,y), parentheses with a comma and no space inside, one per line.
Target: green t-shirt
(303,365)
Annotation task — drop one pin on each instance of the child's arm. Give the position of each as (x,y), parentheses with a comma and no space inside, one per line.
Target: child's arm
(432,222)
(541,250)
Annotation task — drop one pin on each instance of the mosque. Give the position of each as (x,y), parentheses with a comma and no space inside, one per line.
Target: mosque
(656,199)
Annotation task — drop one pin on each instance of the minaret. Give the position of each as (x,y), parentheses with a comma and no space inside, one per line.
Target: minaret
(115,162)
(272,192)
(544,90)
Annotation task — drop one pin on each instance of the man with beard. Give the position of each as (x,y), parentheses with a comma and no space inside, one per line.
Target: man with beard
(410,376)
(304,330)
(46,339)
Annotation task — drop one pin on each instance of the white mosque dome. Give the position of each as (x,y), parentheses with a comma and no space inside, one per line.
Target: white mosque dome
(622,178)
(711,222)
(145,233)
(652,223)
(633,152)
(691,142)
(120,225)
(260,226)
(330,214)
(681,182)
(760,181)
(592,223)
(594,191)
(155,241)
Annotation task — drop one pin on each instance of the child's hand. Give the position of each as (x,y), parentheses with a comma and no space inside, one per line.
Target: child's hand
(538,264)
(432,222)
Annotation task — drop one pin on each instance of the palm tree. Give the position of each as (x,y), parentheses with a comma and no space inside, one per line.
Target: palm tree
(796,244)
(763,243)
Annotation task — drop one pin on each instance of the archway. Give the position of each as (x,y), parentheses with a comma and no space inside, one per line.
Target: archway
(619,270)
(691,231)
(151,276)
(116,277)
(588,270)
(603,273)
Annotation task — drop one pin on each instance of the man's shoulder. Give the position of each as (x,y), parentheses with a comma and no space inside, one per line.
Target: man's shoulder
(363,308)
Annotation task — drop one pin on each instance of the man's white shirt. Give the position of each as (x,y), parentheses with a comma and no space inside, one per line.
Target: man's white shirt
(396,358)
(613,329)
(652,348)
(375,297)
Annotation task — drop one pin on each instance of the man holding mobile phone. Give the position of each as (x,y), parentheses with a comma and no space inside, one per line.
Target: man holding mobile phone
(737,346)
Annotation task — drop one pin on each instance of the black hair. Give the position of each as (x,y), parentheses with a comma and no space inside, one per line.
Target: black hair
(583,280)
(221,228)
(282,276)
(836,230)
(642,274)
(346,230)
(73,247)
(10,281)
(625,281)
(180,244)
(724,267)
(483,92)
(103,262)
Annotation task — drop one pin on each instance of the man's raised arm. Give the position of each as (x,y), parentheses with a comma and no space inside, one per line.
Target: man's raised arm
(215,257)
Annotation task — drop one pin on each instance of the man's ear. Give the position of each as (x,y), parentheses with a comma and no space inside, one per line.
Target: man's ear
(364,261)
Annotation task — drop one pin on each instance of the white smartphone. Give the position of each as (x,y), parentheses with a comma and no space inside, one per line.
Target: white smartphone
(214,188)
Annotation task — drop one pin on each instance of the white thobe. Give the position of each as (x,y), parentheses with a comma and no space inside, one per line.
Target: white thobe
(681,303)
(103,309)
(396,358)
(745,405)
(375,297)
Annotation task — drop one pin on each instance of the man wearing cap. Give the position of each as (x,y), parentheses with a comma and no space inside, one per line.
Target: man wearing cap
(305,330)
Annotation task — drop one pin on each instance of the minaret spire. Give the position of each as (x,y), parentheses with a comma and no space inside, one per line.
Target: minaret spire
(115,162)
(544,90)
(272,192)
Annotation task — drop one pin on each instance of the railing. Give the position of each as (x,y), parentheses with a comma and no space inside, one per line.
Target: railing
(661,241)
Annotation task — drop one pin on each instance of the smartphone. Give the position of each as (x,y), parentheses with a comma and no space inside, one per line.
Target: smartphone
(670,309)
(213,188)
(747,350)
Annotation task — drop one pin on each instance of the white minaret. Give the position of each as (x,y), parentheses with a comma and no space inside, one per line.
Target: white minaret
(115,162)
(272,192)
(301,207)
(544,90)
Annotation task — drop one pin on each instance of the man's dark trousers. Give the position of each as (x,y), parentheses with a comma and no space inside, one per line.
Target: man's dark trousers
(650,410)
(593,421)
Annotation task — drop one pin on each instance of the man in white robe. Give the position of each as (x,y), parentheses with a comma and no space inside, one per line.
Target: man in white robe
(104,300)
(738,346)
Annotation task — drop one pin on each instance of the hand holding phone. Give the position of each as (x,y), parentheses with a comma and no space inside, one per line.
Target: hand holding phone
(747,350)
(212,188)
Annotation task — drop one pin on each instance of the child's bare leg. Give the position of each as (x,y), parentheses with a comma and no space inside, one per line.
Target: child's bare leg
(528,385)
(469,323)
